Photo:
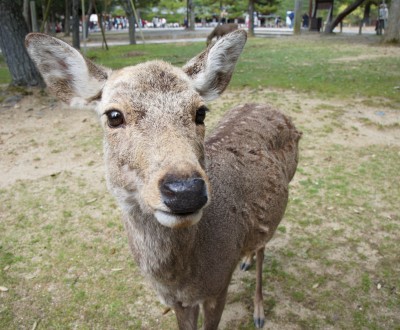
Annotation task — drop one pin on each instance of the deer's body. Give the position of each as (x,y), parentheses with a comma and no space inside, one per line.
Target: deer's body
(250,159)
(221,30)
(191,208)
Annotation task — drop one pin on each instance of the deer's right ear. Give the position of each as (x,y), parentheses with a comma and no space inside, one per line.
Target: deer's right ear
(71,77)
(211,70)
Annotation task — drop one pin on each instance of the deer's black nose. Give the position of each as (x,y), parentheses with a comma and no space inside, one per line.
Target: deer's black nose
(183,195)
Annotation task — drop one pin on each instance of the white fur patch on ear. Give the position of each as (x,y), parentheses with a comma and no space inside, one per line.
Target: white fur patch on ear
(68,75)
(211,71)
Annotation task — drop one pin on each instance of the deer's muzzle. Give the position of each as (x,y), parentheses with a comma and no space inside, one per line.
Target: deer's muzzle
(184,196)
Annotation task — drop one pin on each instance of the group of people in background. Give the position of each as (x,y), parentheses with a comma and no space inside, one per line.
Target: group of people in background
(121,22)
(111,22)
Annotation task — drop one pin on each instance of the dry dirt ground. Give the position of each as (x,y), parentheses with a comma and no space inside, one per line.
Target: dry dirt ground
(40,137)
(44,120)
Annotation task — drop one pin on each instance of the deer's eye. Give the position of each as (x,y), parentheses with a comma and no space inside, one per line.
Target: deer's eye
(115,118)
(201,115)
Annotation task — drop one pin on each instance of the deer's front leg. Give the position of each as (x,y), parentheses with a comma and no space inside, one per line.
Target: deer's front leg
(213,309)
(186,316)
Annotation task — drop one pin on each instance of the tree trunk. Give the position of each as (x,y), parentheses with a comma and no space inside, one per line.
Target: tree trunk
(297,16)
(191,18)
(46,14)
(220,13)
(365,19)
(392,32)
(35,27)
(27,16)
(75,24)
(67,23)
(132,29)
(13,30)
(100,19)
(101,24)
(251,18)
(131,19)
(89,12)
(349,9)
(52,23)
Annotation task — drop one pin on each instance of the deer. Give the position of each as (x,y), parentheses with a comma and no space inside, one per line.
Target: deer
(221,30)
(192,206)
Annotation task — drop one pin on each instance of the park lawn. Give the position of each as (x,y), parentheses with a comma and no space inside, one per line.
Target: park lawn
(334,261)
(5,76)
(327,66)
(333,66)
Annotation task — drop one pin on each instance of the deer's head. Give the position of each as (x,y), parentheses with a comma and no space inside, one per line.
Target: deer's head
(153,119)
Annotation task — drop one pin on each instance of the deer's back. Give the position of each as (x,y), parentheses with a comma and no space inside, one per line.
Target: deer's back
(223,29)
(252,156)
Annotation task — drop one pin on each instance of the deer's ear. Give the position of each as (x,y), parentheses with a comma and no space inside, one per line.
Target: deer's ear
(211,70)
(71,77)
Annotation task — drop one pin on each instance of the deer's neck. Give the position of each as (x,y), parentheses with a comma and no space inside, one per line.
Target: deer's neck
(162,253)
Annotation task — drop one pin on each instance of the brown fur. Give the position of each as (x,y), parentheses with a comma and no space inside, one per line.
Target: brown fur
(246,165)
(221,30)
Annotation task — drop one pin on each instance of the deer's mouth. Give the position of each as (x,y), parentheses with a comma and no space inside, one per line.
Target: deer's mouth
(178,220)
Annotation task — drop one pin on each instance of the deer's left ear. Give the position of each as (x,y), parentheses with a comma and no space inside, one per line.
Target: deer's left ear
(211,70)
(70,76)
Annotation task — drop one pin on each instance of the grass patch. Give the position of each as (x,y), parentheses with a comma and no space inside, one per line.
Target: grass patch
(70,265)
(120,56)
(5,76)
(304,64)
(348,259)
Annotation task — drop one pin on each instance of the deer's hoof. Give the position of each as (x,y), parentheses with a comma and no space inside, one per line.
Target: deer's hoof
(245,266)
(259,322)
(247,261)
(259,316)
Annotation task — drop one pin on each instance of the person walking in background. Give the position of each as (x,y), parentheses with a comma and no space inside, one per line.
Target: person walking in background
(289,19)
(383,16)
(278,21)
(305,20)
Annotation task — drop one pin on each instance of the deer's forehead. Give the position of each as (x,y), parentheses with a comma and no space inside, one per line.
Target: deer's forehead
(150,77)
(150,87)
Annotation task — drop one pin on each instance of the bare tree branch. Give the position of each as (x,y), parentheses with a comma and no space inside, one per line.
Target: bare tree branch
(349,9)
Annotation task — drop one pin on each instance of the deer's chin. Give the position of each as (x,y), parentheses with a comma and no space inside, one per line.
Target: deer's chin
(178,220)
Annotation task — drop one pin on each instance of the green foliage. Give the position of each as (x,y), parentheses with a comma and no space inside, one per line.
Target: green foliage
(172,10)
(288,5)
(355,17)
(209,8)
(125,7)
(267,7)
